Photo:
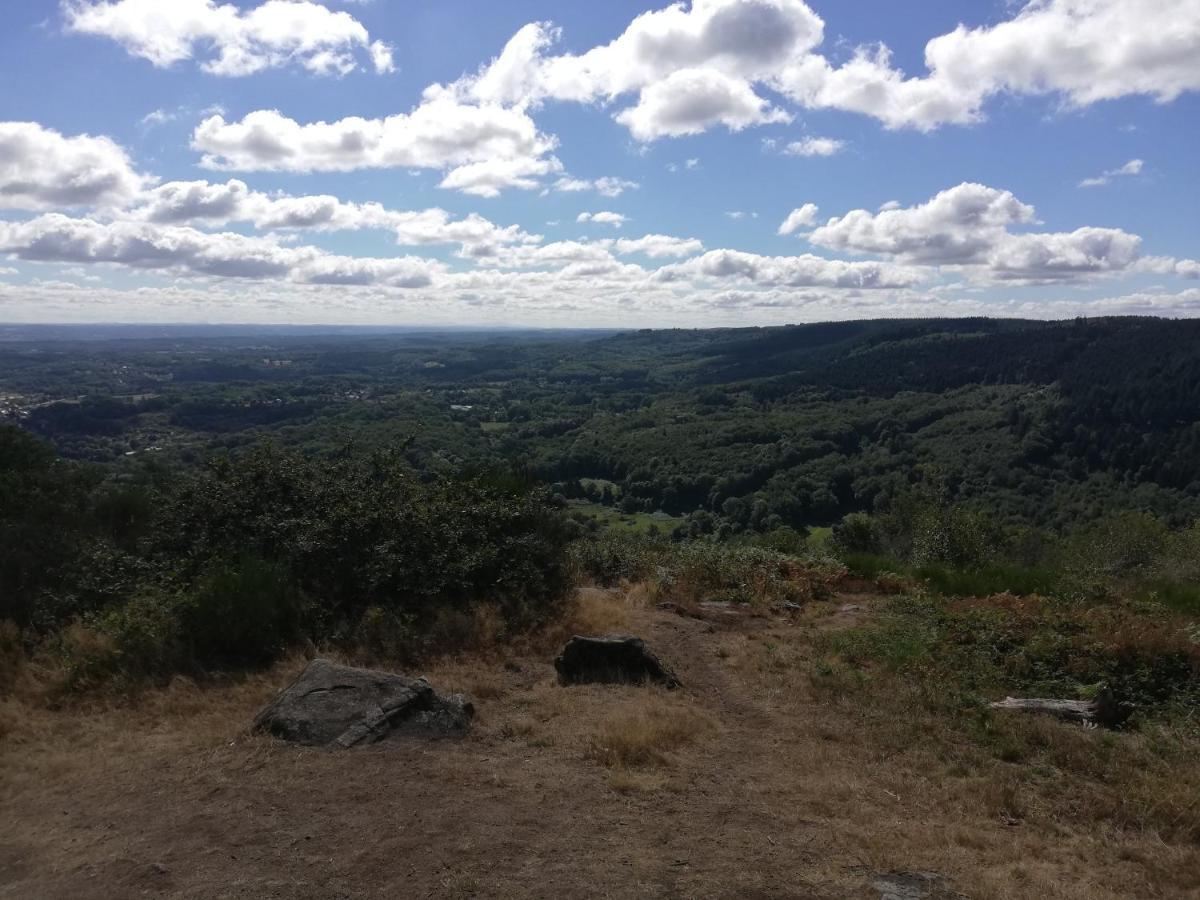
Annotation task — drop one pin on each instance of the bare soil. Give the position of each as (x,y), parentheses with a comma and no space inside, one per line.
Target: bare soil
(758,787)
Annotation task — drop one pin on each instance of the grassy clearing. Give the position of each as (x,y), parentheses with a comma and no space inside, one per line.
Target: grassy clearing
(608,517)
(942,661)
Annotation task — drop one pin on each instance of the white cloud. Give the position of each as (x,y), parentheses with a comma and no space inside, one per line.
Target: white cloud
(799,218)
(608,186)
(691,101)
(738,214)
(1133,167)
(659,246)
(958,225)
(1051,257)
(791,271)
(557,254)
(1061,47)
(968,226)
(185,251)
(200,202)
(42,169)
(489,178)
(815,146)
(275,34)
(693,66)
(482,149)
(616,220)
(157,117)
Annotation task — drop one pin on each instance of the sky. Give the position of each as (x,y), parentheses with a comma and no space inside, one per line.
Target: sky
(615,164)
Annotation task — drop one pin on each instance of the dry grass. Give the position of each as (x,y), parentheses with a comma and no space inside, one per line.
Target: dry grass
(626,781)
(645,730)
(758,773)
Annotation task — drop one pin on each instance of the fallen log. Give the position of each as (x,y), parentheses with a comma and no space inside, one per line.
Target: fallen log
(1104,710)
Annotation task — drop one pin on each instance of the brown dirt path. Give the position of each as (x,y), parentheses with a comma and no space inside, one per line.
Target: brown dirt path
(782,795)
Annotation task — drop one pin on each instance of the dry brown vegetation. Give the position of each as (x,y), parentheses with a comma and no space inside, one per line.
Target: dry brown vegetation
(778,770)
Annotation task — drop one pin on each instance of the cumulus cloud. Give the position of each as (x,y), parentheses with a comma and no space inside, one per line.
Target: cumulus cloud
(693,66)
(1133,167)
(958,225)
(969,225)
(482,149)
(186,251)
(205,203)
(1051,257)
(691,101)
(608,186)
(616,220)
(815,146)
(802,217)
(791,271)
(42,169)
(488,178)
(275,34)
(659,246)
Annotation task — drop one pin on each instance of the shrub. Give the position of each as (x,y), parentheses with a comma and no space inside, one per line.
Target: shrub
(737,574)
(241,612)
(361,532)
(142,638)
(1030,646)
(612,557)
(857,533)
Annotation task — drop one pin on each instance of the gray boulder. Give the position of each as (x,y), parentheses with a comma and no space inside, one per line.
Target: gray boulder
(340,706)
(613,659)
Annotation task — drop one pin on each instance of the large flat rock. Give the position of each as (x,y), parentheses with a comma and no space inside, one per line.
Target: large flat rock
(341,706)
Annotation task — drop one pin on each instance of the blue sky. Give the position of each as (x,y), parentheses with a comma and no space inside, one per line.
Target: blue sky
(422,162)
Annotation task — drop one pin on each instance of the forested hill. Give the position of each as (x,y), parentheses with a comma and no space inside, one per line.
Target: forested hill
(1034,423)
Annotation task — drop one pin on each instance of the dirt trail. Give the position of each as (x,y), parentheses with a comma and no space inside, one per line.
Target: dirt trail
(781,797)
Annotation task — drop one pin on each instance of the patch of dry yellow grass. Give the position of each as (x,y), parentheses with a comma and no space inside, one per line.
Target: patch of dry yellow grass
(645,730)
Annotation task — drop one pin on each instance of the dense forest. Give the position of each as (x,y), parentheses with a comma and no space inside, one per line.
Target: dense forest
(1049,425)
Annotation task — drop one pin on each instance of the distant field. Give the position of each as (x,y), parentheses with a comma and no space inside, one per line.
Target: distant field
(633,523)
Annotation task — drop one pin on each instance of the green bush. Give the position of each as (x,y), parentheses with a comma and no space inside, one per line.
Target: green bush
(611,557)
(857,533)
(357,532)
(243,612)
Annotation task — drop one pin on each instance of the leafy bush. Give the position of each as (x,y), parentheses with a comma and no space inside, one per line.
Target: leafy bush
(243,612)
(359,532)
(857,533)
(612,557)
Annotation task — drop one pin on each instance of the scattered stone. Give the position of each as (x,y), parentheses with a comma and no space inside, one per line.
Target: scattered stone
(613,659)
(849,608)
(913,886)
(721,606)
(1105,710)
(341,706)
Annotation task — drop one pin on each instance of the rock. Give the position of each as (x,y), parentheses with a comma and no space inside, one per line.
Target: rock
(340,706)
(613,659)
(913,886)
(1105,710)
